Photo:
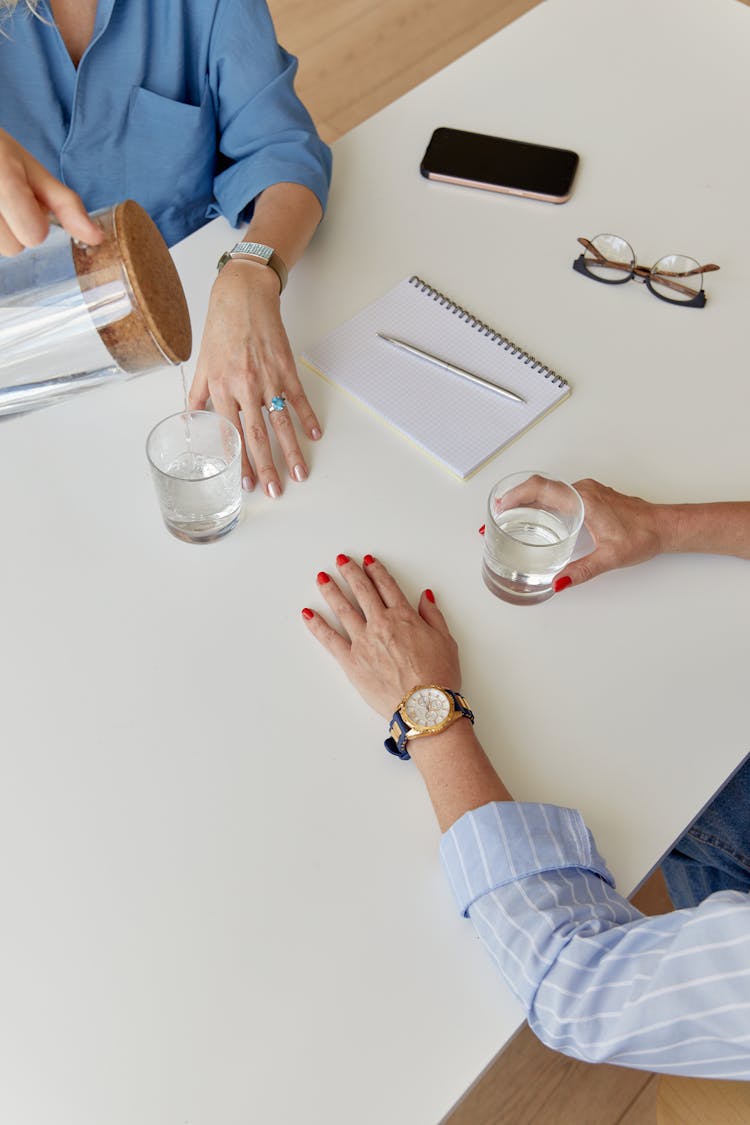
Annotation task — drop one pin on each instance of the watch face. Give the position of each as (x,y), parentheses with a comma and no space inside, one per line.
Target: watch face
(427,707)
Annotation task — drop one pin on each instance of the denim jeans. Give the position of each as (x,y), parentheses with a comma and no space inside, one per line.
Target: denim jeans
(714,853)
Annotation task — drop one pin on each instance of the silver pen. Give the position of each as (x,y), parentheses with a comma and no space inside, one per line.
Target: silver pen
(450,367)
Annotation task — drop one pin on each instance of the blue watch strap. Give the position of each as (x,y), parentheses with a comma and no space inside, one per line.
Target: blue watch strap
(396,744)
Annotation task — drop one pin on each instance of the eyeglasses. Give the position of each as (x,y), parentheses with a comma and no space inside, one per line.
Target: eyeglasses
(674,278)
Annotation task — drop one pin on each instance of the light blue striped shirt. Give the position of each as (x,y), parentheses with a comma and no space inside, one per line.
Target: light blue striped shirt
(598,979)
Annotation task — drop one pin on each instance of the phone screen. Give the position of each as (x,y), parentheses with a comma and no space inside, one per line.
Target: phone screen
(499,164)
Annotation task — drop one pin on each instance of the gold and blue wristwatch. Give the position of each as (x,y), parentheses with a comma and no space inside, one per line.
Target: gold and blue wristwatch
(426,709)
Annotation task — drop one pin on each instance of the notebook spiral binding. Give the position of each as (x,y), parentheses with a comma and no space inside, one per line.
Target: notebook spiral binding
(496,337)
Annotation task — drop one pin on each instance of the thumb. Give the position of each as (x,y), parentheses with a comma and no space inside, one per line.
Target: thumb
(430,613)
(582,570)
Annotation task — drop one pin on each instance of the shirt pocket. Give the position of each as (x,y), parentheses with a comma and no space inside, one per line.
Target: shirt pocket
(170,156)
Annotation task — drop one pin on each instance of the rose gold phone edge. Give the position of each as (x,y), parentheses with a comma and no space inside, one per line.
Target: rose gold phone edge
(502,190)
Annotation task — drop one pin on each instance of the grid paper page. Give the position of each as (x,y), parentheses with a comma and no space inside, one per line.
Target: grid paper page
(461,424)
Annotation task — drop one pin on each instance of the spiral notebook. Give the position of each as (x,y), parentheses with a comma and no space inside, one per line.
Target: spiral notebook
(461,424)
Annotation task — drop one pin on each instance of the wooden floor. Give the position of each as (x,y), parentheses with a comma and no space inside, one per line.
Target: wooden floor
(356,57)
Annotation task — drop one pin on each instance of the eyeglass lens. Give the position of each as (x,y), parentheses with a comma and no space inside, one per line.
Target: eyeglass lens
(676,277)
(613,259)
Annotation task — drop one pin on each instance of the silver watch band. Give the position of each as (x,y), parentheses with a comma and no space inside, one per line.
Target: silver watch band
(257,252)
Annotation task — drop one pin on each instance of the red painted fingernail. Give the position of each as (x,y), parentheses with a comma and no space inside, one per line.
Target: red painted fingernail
(430,596)
(561,584)
(341,559)
(323,578)
(368,560)
(307,614)
(481,530)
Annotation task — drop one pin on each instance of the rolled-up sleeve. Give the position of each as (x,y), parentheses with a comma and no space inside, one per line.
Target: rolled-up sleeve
(599,980)
(266,136)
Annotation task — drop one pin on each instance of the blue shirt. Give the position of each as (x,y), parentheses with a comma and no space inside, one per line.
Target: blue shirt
(598,979)
(187,106)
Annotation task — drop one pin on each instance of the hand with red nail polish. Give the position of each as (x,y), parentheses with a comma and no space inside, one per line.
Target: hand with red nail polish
(385,645)
(626,530)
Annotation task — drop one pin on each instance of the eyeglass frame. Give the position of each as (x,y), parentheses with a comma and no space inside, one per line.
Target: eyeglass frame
(643,273)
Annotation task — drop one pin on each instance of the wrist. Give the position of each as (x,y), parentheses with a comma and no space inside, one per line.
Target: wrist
(456,740)
(457,773)
(251,274)
(668,527)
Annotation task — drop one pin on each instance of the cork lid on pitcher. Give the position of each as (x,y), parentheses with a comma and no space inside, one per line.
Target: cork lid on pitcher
(157,330)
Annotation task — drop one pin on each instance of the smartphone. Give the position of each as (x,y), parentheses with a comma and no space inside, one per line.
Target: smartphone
(498,164)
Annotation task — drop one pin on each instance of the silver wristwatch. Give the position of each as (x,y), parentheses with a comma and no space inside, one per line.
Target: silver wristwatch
(257,252)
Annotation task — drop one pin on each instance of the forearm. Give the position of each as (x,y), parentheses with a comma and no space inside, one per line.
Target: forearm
(711,529)
(458,774)
(285,217)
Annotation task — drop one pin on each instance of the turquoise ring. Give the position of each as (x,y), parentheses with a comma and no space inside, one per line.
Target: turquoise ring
(278,402)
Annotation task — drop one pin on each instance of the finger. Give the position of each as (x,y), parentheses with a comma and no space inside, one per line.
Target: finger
(364,590)
(228,408)
(537,491)
(65,205)
(26,218)
(428,610)
(287,438)
(388,588)
(9,244)
(300,404)
(525,493)
(348,615)
(259,447)
(332,641)
(199,392)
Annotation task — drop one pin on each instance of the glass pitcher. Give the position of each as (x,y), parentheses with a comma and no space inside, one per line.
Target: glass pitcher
(74,316)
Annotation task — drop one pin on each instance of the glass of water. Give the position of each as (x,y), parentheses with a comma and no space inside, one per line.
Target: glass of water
(532,525)
(196,464)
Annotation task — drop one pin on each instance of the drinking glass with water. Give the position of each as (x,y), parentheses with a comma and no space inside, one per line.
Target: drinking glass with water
(532,526)
(196,463)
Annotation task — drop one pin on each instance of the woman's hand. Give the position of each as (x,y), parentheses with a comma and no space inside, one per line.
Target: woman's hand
(625,530)
(244,362)
(28,193)
(391,647)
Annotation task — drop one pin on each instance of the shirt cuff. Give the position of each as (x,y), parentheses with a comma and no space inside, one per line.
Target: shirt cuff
(237,188)
(503,842)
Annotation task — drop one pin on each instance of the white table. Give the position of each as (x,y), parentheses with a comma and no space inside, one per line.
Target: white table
(222,899)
